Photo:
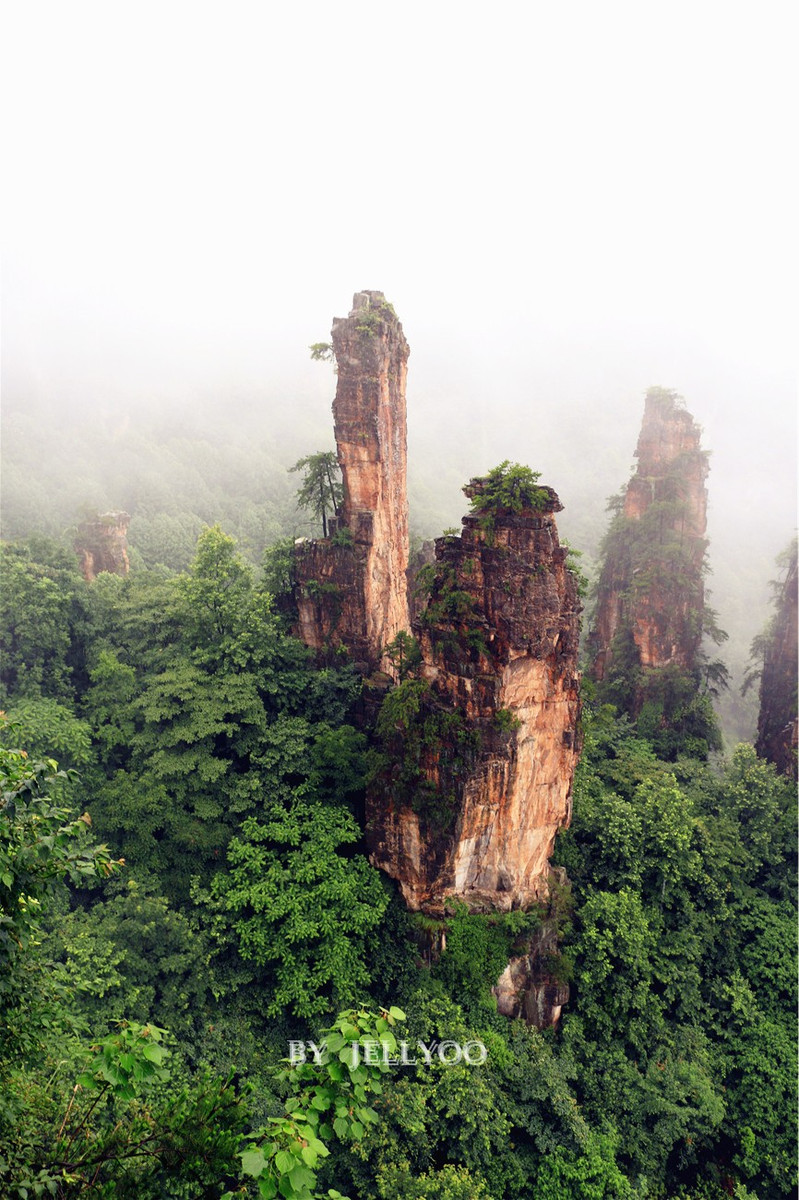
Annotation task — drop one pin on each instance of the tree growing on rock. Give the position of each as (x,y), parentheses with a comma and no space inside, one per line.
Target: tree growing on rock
(321,491)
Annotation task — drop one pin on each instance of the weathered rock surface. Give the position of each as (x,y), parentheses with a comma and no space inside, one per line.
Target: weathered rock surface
(529,988)
(475,787)
(499,649)
(102,545)
(354,595)
(777,720)
(424,556)
(651,584)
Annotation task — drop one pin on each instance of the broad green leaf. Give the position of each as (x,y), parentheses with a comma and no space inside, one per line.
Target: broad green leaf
(252,1162)
(284,1161)
(301,1177)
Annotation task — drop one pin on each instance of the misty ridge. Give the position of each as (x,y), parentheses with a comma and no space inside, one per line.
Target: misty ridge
(85,434)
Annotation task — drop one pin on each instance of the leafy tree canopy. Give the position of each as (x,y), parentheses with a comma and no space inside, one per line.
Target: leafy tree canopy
(321,491)
(509,486)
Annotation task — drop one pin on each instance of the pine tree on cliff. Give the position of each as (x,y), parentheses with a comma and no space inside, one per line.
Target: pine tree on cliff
(774,655)
(646,640)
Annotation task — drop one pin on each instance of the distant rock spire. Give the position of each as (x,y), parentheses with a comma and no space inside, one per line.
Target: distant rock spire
(777,720)
(102,545)
(650,595)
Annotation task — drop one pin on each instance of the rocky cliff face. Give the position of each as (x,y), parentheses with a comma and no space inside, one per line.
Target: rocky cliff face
(777,721)
(102,545)
(351,587)
(651,587)
(475,711)
(493,745)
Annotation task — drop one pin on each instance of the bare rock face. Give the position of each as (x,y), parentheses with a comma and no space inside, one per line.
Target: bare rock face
(777,720)
(474,709)
(489,755)
(651,585)
(529,988)
(423,557)
(102,545)
(351,587)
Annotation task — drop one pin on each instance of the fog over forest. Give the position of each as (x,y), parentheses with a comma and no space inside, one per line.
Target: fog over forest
(563,210)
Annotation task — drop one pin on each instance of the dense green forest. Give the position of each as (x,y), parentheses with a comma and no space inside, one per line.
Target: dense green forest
(185,892)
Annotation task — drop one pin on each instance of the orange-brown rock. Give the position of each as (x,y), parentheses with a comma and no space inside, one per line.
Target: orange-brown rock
(477,767)
(651,585)
(351,587)
(102,545)
(499,678)
(777,719)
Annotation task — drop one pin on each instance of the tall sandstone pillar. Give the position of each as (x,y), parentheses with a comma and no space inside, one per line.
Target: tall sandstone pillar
(355,595)
(651,586)
(777,720)
(478,734)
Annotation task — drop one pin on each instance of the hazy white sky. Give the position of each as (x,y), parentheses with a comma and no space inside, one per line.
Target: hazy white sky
(189,185)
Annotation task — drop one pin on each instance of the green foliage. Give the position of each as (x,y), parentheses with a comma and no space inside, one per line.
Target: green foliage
(435,1115)
(321,491)
(102,1135)
(448,1183)
(506,721)
(591,1174)
(109,706)
(299,907)
(41,845)
(574,564)
(224,766)
(126,1127)
(278,568)
(322,351)
(682,880)
(478,947)
(215,710)
(653,568)
(450,612)
(49,729)
(164,539)
(370,320)
(133,955)
(509,487)
(425,751)
(404,653)
(42,598)
(675,715)
(342,537)
(331,1099)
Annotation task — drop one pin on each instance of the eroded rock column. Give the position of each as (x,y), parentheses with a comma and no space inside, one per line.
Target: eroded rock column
(351,586)
(651,587)
(475,713)
(777,720)
(102,545)
(498,681)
